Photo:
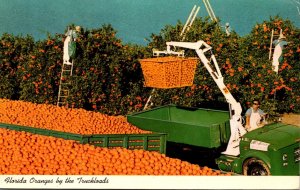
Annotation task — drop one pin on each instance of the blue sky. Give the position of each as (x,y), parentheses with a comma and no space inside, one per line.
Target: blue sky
(133,19)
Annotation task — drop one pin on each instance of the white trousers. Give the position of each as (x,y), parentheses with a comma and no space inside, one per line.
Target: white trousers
(276,56)
(66,49)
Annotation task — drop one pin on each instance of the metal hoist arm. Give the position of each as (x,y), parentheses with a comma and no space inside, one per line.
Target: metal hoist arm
(236,127)
(201,47)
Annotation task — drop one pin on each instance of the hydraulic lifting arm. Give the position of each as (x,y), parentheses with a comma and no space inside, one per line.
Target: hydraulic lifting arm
(236,127)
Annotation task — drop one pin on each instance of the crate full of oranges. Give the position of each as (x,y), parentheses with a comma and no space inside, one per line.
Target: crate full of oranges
(169,72)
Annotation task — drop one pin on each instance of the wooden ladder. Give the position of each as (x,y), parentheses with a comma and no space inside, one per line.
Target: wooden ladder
(210,11)
(64,83)
(271,42)
(189,21)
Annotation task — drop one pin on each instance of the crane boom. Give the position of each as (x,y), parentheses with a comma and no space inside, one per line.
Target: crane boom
(236,127)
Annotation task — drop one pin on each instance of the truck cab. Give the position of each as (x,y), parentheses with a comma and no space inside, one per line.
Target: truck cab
(271,150)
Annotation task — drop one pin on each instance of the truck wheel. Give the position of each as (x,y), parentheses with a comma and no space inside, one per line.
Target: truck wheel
(253,166)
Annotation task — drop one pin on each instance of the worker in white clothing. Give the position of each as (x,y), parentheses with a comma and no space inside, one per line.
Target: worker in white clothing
(277,56)
(227,29)
(254,116)
(69,45)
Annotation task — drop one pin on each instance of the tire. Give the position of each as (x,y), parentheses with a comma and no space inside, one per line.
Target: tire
(257,167)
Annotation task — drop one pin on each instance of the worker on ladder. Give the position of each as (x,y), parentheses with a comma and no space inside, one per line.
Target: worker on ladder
(277,56)
(227,29)
(67,67)
(70,45)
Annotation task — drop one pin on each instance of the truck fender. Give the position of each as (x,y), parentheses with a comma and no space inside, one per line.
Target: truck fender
(258,156)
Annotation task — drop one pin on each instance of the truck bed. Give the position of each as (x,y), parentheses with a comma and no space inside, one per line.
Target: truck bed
(151,142)
(193,126)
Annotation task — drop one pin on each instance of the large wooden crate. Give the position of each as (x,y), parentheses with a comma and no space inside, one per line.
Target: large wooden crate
(169,72)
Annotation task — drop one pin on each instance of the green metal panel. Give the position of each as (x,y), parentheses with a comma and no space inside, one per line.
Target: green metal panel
(290,166)
(278,135)
(282,139)
(152,142)
(229,164)
(193,126)
(46,132)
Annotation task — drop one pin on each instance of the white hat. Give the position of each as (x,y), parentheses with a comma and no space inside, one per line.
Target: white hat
(281,36)
(78,28)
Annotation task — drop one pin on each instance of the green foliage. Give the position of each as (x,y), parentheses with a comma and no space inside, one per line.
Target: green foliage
(39,73)
(107,76)
(14,51)
(105,72)
(245,65)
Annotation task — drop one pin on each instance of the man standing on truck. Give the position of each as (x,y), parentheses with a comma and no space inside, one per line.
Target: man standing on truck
(254,115)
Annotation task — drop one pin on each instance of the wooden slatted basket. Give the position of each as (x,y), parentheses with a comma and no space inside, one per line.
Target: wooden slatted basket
(169,72)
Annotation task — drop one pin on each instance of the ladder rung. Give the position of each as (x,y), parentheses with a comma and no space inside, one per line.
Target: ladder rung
(64,89)
(63,92)
(66,70)
(63,96)
(65,77)
(64,83)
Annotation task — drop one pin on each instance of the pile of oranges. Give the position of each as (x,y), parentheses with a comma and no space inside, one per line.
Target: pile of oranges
(25,153)
(78,121)
(168,72)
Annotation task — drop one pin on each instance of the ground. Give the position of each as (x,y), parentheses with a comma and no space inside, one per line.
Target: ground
(293,119)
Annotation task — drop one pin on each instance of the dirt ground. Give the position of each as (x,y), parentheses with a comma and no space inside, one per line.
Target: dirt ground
(293,119)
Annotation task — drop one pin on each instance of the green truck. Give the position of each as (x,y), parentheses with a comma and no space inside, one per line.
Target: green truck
(270,150)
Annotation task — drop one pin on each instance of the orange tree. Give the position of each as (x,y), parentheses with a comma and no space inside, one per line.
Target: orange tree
(14,50)
(245,66)
(204,92)
(39,73)
(107,76)
(278,92)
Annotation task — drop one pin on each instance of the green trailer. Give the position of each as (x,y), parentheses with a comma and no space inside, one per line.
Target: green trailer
(194,126)
(150,142)
(270,150)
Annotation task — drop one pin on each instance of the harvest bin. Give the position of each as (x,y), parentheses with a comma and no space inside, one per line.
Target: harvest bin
(193,126)
(168,72)
(151,142)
